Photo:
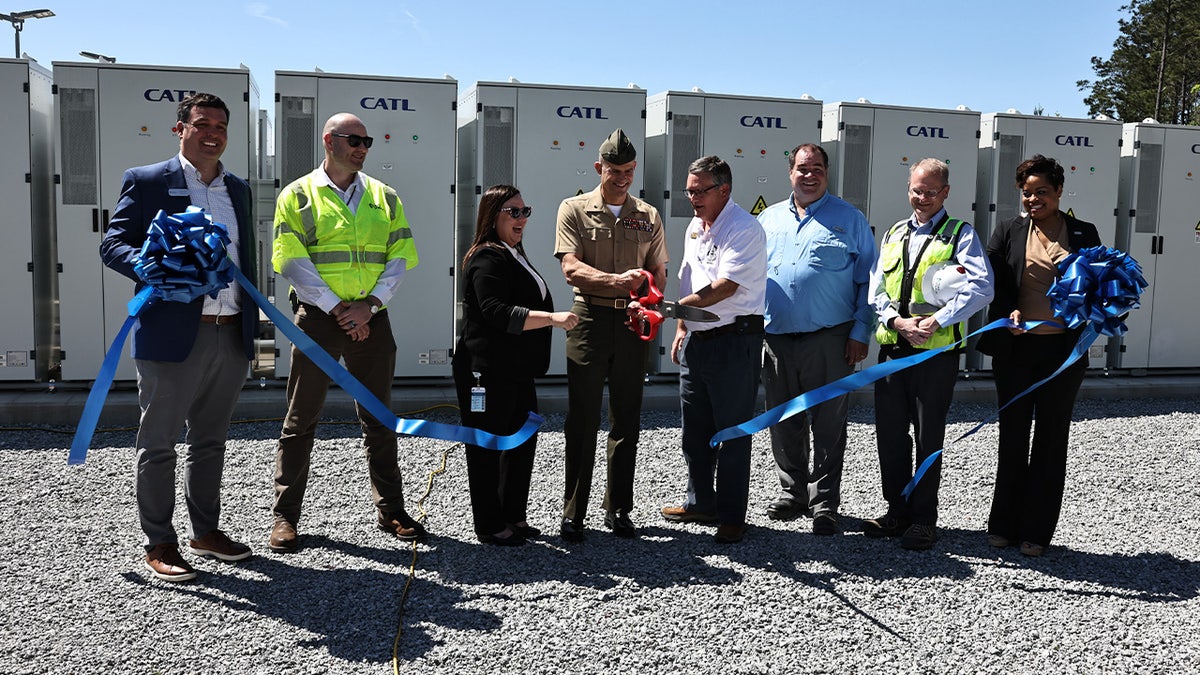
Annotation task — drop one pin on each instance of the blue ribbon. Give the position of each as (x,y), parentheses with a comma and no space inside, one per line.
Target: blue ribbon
(359,392)
(1097,286)
(99,392)
(185,257)
(843,386)
(1086,339)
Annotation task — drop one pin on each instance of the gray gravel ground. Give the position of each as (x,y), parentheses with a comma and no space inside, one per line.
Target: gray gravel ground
(1116,593)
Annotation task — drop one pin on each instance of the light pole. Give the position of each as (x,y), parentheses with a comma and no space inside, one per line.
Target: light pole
(17,19)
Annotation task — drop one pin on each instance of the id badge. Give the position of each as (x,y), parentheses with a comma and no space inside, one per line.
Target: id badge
(478,395)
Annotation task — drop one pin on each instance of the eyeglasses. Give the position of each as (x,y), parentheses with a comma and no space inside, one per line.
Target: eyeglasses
(518,211)
(206,128)
(927,194)
(692,194)
(355,140)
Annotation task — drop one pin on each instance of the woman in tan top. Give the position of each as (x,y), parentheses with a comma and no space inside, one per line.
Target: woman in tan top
(1024,253)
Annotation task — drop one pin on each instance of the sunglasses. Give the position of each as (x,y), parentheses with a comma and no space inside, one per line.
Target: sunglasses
(355,140)
(518,211)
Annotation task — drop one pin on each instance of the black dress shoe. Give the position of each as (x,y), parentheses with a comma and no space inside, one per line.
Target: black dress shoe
(825,524)
(526,531)
(513,539)
(620,524)
(884,526)
(572,530)
(785,508)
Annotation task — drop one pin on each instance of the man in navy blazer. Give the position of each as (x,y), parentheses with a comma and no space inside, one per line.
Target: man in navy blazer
(191,358)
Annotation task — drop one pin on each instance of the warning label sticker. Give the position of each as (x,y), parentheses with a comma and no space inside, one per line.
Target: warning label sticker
(760,205)
(579,192)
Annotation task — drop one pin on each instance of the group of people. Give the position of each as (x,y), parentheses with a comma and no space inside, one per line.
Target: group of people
(798,293)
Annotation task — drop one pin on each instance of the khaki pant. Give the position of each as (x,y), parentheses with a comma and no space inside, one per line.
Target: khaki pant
(602,349)
(372,361)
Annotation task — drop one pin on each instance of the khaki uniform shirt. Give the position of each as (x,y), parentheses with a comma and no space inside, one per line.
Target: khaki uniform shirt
(586,227)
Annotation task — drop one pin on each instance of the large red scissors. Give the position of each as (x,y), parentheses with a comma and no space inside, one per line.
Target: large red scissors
(653,308)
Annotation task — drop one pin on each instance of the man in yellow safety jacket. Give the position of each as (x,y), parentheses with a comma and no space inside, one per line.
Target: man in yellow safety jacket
(342,241)
(931,276)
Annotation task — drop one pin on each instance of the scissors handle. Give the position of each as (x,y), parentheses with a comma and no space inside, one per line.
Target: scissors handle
(653,296)
(645,321)
(648,321)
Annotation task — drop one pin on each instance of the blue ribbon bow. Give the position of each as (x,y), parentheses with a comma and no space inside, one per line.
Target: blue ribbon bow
(1099,285)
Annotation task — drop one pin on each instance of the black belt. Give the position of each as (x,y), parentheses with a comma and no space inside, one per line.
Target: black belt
(748,324)
(220,319)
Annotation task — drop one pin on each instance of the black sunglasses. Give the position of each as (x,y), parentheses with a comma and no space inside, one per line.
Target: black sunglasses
(355,140)
(518,211)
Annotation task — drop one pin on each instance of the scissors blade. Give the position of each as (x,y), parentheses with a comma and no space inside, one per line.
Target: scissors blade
(677,311)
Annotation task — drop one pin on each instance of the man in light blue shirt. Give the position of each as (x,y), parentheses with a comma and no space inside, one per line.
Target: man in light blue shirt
(820,251)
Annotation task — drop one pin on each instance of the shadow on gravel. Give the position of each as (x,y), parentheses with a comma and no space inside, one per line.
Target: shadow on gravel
(669,556)
(602,562)
(1145,577)
(351,612)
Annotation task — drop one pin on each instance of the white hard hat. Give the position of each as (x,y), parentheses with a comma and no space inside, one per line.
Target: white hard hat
(942,282)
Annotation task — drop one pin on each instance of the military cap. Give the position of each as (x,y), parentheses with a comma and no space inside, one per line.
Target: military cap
(618,149)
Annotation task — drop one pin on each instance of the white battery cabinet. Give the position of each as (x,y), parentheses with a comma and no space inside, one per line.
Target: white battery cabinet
(872,147)
(754,135)
(111,117)
(1089,152)
(545,140)
(1158,223)
(27,262)
(412,122)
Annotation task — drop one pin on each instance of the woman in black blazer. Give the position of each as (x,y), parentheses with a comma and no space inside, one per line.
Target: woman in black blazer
(1024,253)
(505,343)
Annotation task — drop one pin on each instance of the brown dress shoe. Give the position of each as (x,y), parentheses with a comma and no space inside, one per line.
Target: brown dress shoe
(165,563)
(401,525)
(220,546)
(679,514)
(284,537)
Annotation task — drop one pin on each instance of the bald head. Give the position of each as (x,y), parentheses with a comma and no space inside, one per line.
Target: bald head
(340,122)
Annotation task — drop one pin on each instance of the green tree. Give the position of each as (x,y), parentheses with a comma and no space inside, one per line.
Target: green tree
(1154,70)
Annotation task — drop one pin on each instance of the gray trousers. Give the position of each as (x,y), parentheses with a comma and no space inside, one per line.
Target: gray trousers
(794,363)
(199,392)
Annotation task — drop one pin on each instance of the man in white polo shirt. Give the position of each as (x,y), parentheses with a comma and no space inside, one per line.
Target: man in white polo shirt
(724,270)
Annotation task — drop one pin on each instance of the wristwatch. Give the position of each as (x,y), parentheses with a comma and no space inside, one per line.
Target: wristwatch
(374,307)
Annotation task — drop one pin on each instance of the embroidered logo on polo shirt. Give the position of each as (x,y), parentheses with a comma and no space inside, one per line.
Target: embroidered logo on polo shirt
(637,224)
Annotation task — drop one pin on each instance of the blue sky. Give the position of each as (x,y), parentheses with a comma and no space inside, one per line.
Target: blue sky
(938,54)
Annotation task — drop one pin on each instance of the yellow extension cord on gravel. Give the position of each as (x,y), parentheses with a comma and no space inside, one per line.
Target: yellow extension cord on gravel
(412,568)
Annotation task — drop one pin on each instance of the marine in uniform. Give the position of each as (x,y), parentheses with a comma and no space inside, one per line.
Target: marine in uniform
(603,240)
